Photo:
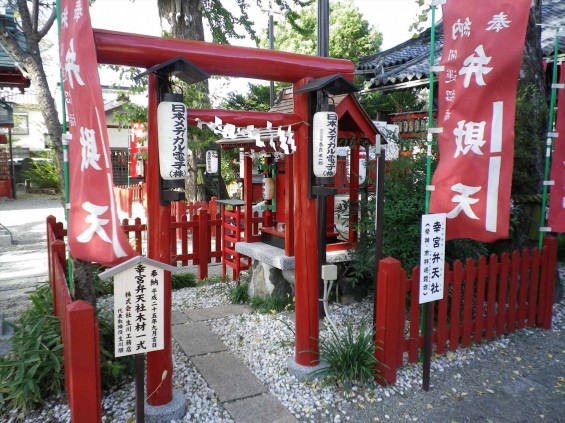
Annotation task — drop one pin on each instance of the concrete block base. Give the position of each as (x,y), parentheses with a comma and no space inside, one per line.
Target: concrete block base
(304,372)
(175,410)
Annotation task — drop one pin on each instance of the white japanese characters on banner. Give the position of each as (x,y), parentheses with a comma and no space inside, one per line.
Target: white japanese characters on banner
(482,53)
(138,310)
(556,220)
(94,231)
(432,257)
(325,144)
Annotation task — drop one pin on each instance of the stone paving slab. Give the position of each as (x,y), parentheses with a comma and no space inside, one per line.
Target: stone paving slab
(178,318)
(228,376)
(217,312)
(259,409)
(197,339)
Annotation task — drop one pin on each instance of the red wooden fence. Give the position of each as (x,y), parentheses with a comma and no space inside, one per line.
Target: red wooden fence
(482,301)
(127,195)
(79,329)
(192,224)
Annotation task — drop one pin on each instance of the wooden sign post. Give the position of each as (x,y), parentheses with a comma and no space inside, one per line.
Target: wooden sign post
(138,314)
(432,262)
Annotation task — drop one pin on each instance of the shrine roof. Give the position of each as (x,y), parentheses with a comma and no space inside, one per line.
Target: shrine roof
(407,64)
(352,117)
(11,75)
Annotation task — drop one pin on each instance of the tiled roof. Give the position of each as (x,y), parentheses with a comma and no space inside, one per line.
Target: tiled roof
(10,74)
(408,64)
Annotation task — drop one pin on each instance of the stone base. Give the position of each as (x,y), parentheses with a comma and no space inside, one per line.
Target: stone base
(304,372)
(175,410)
(268,281)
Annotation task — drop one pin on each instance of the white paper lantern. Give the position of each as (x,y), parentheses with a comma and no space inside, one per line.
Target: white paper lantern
(362,165)
(268,188)
(211,161)
(325,144)
(172,125)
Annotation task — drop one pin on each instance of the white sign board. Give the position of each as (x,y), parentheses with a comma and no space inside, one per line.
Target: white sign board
(432,257)
(138,310)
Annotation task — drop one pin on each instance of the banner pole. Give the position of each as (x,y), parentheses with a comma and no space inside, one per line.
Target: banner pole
(549,140)
(426,313)
(65,143)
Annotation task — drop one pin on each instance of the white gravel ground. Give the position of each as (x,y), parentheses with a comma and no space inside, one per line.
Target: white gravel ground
(265,342)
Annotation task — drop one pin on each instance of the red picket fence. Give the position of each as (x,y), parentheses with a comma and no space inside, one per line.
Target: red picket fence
(481,301)
(192,224)
(79,329)
(127,195)
(233,231)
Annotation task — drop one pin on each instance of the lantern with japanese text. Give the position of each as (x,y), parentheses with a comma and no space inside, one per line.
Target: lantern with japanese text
(268,188)
(325,144)
(211,161)
(362,170)
(172,123)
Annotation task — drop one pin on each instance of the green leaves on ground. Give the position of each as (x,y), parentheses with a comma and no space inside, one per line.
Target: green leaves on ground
(33,368)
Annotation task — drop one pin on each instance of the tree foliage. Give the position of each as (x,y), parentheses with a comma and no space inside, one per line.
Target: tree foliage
(351,36)
(256,99)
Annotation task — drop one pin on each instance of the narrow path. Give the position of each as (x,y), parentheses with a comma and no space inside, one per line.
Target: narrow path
(239,391)
(23,264)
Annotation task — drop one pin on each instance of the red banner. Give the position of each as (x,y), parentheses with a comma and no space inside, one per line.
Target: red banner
(94,231)
(482,52)
(556,219)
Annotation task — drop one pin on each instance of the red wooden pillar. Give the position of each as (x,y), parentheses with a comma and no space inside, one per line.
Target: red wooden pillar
(158,243)
(248,198)
(547,282)
(289,207)
(305,243)
(353,191)
(390,319)
(83,362)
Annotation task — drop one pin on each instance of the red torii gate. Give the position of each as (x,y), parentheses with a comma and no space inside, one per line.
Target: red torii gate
(124,49)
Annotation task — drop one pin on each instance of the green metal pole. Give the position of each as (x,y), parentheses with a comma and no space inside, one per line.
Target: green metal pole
(65,143)
(426,313)
(549,140)
(430,109)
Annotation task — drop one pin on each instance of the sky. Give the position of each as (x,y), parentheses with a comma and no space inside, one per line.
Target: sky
(392,17)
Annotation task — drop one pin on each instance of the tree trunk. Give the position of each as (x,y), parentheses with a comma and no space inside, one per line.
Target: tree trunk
(186,21)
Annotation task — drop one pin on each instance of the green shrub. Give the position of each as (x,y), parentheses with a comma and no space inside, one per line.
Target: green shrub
(43,174)
(404,204)
(33,368)
(272,304)
(183,280)
(103,287)
(349,356)
(113,370)
(237,293)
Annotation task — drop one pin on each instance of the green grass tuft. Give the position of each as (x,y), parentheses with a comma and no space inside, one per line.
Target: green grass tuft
(350,356)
